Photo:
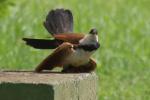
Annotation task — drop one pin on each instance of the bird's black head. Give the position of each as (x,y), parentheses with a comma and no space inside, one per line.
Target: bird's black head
(93,31)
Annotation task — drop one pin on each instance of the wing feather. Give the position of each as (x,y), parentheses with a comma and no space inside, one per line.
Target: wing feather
(57,58)
(72,38)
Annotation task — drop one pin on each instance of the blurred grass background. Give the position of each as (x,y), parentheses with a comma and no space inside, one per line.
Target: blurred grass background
(124,33)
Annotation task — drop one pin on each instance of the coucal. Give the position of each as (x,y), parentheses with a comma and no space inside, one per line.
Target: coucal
(72,51)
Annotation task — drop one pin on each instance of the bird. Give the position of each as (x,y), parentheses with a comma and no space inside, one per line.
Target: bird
(71,51)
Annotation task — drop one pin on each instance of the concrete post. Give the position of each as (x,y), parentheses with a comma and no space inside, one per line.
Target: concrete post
(47,86)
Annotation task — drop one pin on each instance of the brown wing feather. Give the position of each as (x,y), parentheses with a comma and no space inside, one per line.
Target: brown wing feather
(69,37)
(57,58)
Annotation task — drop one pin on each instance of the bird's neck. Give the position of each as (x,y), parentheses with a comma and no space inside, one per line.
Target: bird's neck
(88,47)
(88,43)
(89,39)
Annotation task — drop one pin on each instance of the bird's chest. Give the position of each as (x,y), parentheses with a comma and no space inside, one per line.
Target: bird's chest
(78,57)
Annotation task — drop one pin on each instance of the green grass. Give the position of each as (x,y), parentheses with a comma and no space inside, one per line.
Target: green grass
(124,33)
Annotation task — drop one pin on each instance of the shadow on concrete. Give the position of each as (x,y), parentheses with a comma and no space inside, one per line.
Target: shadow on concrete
(21,91)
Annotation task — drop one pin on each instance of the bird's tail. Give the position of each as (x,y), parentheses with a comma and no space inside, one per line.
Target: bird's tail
(59,21)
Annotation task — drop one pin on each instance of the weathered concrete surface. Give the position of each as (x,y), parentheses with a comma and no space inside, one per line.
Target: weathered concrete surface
(47,86)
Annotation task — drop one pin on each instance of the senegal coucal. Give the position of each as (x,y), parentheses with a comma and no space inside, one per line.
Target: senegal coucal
(72,51)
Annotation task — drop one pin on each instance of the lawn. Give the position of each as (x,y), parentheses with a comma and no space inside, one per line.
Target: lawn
(124,33)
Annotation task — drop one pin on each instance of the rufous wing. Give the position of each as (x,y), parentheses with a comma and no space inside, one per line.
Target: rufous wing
(57,58)
(69,37)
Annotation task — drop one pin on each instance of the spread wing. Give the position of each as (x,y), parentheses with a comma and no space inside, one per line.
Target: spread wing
(52,44)
(42,43)
(57,58)
(72,38)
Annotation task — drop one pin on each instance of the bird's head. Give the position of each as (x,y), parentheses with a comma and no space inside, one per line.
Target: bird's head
(93,31)
(90,38)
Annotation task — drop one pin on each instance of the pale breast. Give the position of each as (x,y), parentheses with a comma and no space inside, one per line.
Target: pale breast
(78,58)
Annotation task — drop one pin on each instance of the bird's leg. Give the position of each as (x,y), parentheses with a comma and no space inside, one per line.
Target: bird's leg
(68,69)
